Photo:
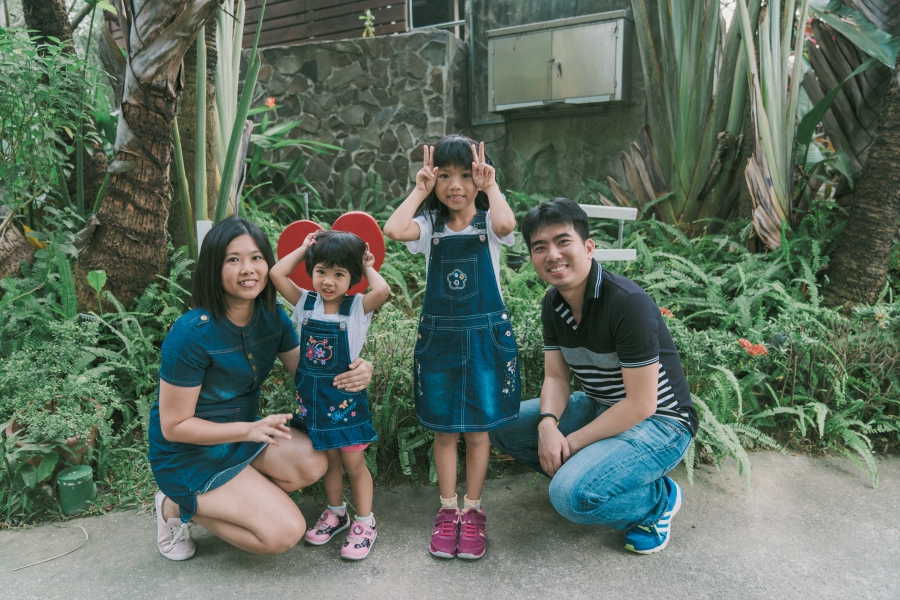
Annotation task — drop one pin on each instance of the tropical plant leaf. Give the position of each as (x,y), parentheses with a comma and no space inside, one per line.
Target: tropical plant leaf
(807,127)
(237,132)
(858,29)
(28,473)
(68,298)
(97,279)
(48,463)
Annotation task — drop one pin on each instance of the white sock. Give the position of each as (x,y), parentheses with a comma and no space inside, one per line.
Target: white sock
(467,504)
(339,510)
(366,520)
(450,502)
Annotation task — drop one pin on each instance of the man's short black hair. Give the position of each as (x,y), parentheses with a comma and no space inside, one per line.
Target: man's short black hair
(206,289)
(340,249)
(453,150)
(559,211)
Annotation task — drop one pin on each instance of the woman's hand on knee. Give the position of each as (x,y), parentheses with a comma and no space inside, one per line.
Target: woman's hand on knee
(270,429)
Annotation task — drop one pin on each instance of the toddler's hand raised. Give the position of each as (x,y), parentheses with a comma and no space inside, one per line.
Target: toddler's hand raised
(310,239)
(482,173)
(368,258)
(426,176)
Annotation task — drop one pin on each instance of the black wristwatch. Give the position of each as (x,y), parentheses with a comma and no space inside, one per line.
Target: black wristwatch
(543,416)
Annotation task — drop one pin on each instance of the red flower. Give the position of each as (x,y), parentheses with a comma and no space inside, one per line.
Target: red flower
(744,343)
(270,102)
(757,350)
(666,312)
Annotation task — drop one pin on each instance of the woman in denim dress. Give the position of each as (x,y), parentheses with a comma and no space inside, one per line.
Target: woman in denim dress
(215,461)
(466,374)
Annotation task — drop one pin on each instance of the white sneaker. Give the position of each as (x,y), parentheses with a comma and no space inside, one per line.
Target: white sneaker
(173,538)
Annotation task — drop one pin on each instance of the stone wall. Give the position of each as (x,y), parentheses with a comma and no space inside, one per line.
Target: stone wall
(379,99)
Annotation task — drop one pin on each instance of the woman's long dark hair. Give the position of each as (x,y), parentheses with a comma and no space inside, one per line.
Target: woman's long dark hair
(453,150)
(206,290)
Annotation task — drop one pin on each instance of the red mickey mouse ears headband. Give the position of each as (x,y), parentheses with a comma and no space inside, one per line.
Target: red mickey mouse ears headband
(358,222)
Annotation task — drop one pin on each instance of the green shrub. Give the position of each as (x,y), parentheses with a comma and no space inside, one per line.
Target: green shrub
(49,388)
(827,382)
(43,92)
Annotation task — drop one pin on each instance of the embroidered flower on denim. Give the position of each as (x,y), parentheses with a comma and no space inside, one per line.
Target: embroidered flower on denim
(353,413)
(510,385)
(457,279)
(318,351)
(299,409)
(419,377)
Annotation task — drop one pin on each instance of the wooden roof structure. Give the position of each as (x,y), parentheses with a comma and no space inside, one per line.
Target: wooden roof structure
(290,22)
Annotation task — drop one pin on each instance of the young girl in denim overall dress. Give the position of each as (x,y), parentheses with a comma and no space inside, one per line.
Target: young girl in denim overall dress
(466,373)
(333,328)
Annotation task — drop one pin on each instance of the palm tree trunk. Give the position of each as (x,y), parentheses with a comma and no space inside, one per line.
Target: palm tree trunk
(130,241)
(858,269)
(14,248)
(49,19)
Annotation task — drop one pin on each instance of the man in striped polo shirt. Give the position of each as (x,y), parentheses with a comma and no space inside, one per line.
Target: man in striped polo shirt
(609,447)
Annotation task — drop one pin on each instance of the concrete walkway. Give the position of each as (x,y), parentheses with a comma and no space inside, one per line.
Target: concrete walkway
(810,528)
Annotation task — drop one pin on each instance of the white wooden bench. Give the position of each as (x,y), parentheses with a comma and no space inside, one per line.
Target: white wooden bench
(621,214)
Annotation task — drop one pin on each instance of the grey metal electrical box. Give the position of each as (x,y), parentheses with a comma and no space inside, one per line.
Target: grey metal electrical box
(581,60)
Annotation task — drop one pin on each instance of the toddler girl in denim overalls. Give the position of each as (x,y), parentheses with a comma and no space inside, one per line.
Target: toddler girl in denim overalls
(333,328)
(466,373)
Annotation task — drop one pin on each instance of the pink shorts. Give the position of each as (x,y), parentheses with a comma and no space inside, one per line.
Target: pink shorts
(355,447)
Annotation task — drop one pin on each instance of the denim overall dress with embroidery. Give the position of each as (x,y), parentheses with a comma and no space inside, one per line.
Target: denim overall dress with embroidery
(333,418)
(466,374)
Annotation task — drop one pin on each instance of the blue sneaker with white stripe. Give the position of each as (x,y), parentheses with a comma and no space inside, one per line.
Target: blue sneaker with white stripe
(648,539)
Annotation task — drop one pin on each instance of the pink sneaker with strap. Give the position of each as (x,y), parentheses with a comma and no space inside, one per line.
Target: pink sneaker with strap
(472,536)
(359,540)
(328,525)
(445,535)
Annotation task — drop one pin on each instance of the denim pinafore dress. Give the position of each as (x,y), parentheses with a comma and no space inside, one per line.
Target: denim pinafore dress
(466,373)
(333,418)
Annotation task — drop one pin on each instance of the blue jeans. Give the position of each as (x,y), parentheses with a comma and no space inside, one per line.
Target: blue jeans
(616,482)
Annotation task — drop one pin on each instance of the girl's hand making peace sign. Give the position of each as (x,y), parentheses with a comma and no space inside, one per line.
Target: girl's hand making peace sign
(426,176)
(482,173)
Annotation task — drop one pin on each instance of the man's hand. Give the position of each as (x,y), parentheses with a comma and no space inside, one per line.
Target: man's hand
(553,448)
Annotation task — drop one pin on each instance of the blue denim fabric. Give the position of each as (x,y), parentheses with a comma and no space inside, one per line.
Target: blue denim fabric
(229,363)
(332,417)
(616,482)
(466,373)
